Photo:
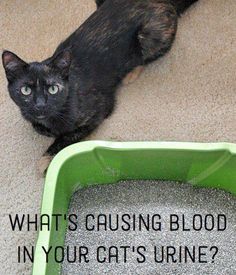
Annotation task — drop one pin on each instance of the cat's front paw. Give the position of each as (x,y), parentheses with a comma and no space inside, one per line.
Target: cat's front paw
(43,164)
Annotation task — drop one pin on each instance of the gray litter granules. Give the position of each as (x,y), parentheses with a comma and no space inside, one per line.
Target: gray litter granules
(133,204)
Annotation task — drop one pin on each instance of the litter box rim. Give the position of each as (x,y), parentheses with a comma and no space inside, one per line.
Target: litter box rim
(55,171)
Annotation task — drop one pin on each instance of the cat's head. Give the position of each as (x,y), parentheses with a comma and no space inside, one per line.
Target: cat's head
(40,89)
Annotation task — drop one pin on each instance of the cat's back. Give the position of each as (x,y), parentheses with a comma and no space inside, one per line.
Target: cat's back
(104,47)
(112,26)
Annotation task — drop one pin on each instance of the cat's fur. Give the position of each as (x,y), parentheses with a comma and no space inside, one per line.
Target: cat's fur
(90,64)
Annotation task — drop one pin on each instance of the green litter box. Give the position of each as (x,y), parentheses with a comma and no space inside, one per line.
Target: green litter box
(94,162)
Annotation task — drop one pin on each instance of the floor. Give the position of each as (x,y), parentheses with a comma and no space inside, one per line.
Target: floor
(189,95)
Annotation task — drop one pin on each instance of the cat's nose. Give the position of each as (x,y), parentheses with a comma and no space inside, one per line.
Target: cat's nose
(40,103)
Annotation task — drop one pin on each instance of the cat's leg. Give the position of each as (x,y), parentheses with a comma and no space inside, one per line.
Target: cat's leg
(40,129)
(158,31)
(72,137)
(68,139)
(62,142)
(156,35)
(99,2)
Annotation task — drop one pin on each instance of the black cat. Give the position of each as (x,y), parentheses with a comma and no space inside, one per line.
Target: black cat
(68,95)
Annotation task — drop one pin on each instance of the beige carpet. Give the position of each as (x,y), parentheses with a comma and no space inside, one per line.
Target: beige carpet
(189,95)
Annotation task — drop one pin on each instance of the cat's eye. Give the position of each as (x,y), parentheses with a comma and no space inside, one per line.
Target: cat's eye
(53,89)
(25,90)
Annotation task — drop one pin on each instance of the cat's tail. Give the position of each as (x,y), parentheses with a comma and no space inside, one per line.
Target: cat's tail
(183,5)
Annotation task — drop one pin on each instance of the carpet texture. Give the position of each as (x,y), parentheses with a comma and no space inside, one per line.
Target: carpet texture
(189,95)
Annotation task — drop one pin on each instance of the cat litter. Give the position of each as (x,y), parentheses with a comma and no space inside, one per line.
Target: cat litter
(137,215)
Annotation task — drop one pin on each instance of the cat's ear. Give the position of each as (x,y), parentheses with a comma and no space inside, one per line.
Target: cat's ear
(13,65)
(62,62)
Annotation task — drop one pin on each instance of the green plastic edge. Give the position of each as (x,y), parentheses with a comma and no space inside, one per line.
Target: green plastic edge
(53,176)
